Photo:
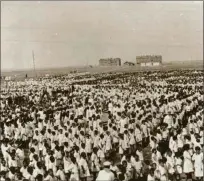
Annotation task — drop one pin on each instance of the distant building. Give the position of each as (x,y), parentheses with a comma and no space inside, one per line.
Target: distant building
(110,62)
(149,60)
(129,64)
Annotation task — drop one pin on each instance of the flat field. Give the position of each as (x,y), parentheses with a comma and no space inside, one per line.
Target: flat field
(20,74)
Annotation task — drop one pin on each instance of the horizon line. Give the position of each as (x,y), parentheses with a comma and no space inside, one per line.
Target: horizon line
(75,66)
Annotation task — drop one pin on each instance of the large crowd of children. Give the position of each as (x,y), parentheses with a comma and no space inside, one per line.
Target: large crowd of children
(148,127)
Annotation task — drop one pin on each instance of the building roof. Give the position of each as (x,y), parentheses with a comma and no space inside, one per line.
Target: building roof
(110,59)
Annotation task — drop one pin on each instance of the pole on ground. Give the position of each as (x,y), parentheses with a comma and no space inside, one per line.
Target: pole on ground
(34,64)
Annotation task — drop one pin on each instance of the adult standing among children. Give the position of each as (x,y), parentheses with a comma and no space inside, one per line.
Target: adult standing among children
(106,174)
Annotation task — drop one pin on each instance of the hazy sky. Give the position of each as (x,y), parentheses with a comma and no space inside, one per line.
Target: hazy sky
(73,33)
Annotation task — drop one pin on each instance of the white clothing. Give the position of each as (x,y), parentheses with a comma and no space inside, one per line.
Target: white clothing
(187,165)
(150,178)
(163,173)
(95,166)
(168,120)
(83,168)
(74,172)
(38,171)
(198,164)
(105,175)
(60,174)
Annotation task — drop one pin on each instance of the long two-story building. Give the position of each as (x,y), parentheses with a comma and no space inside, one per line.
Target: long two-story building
(110,62)
(149,60)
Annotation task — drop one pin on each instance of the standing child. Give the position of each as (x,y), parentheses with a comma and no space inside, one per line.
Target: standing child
(178,165)
(187,164)
(132,140)
(95,166)
(83,168)
(198,164)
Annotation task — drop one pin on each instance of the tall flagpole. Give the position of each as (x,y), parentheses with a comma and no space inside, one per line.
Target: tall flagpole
(34,63)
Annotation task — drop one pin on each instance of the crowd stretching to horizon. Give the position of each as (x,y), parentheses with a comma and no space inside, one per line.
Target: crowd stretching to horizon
(144,126)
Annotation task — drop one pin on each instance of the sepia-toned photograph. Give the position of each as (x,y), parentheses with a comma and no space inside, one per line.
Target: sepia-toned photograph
(101,91)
